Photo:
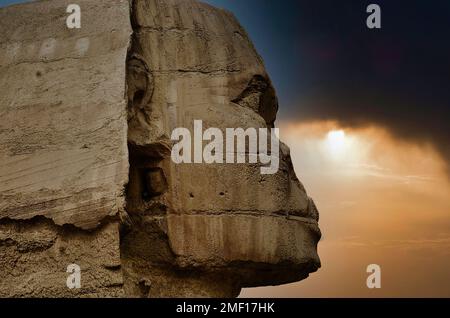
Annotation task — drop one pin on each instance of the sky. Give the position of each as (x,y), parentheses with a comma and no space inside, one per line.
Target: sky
(365,113)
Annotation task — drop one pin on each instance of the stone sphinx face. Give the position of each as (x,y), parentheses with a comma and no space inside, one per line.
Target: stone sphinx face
(228,222)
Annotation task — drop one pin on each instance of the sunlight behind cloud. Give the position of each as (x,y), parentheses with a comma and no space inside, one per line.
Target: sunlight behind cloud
(342,149)
(336,143)
(324,148)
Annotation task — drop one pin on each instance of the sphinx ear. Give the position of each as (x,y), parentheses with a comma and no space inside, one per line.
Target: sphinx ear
(140,86)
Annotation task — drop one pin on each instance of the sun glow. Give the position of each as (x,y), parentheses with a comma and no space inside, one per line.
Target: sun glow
(344,148)
(337,144)
(336,140)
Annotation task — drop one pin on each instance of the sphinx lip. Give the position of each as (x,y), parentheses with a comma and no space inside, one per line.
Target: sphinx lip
(311,223)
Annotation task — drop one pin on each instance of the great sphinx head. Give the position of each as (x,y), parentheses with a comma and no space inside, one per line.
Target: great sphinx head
(192,62)
(186,229)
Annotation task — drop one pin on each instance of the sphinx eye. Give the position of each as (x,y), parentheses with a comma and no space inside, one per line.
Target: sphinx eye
(260,96)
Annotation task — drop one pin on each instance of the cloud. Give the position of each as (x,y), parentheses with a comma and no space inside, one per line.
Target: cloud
(419,122)
(397,77)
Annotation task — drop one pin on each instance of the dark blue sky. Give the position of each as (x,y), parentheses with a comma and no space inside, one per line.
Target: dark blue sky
(326,64)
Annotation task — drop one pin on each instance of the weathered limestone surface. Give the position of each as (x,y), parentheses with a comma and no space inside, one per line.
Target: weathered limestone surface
(63,147)
(35,255)
(63,150)
(85,169)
